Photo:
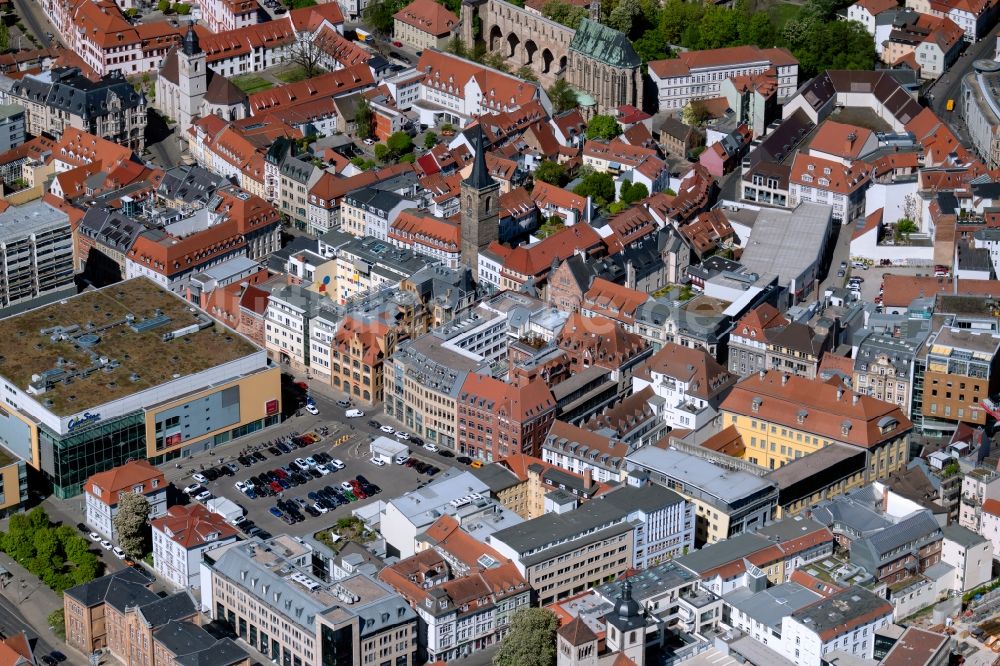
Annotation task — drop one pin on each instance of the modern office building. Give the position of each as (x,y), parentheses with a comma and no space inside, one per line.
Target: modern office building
(36,251)
(127,371)
(272,597)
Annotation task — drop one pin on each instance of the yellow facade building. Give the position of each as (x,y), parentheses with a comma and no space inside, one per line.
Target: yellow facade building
(782,418)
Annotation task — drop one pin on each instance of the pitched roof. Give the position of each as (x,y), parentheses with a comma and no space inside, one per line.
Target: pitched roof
(731,56)
(604,44)
(537,259)
(519,402)
(705,377)
(823,408)
(840,139)
(106,486)
(612,300)
(577,633)
(876,7)
(193,526)
(319,87)
(902,290)
(428,16)
(827,175)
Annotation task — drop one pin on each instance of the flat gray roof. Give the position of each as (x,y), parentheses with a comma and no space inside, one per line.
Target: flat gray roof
(786,243)
(37,217)
(546,532)
(772,604)
(728,485)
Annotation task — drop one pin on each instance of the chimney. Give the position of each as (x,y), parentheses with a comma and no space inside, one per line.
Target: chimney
(588,478)
(855,399)
(784,379)
(840,393)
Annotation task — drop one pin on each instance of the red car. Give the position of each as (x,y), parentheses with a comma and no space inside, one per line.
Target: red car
(397,43)
(282,474)
(276,487)
(358,492)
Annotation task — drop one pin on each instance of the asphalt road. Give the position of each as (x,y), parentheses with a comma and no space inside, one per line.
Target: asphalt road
(32,14)
(12,622)
(949,86)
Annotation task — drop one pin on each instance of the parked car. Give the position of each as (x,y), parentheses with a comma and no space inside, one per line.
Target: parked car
(431,447)
(336,463)
(241,486)
(203,496)
(465,460)
(378,462)
(276,512)
(402,435)
(232,467)
(106,545)
(119,553)
(387,429)
(311,461)
(301,464)
(200,478)
(369,142)
(319,507)
(311,408)
(476,464)
(445,453)
(397,43)
(374,424)
(95,537)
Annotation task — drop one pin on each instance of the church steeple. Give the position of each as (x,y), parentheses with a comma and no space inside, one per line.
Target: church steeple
(480,208)
(190,44)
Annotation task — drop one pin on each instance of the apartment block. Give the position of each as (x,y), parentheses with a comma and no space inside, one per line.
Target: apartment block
(961,375)
(370,212)
(181,536)
(36,249)
(105,490)
(697,75)
(783,417)
(727,502)
(561,554)
(272,597)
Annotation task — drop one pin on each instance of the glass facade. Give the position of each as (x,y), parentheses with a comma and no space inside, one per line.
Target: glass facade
(336,646)
(68,461)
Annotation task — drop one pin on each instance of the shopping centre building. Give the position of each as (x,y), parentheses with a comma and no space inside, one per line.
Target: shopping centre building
(127,371)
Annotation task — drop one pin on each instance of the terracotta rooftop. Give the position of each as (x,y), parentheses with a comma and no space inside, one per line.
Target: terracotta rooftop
(106,486)
(193,526)
(428,16)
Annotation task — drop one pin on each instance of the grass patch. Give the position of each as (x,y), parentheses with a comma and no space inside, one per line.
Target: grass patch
(782,13)
(251,83)
(343,531)
(293,75)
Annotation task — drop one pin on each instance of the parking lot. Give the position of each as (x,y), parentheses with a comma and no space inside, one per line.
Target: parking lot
(351,447)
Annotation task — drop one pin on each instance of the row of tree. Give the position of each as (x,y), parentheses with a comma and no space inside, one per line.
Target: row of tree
(56,554)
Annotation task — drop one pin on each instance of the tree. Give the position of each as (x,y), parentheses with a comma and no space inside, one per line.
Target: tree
(603,127)
(652,45)
(379,15)
(625,16)
(598,186)
(132,524)
(456,47)
(57,622)
(399,143)
(308,54)
(408,158)
(163,6)
(381,152)
(563,96)
(182,8)
(4,37)
(695,113)
(550,172)
(363,118)
(525,72)
(550,226)
(565,13)
(632,192)
(430,140)
(531,641)
(362,163)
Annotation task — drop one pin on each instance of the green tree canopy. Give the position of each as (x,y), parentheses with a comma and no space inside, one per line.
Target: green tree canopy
(399,143)
(364,119)
(563,96)
(430,140)
(531,641)
(603,127)
(632,192)
(598,186)
(550,172)
(132,524)
(565,13)
(381,151)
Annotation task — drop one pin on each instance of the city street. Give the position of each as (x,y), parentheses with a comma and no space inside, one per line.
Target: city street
(949,86)
(31,13)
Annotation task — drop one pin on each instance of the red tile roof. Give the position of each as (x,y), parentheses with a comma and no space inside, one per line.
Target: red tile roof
(428,16)
(106,486)
(823,408)
(705,377)
(732,56)
(840,139)
(536,260)
(193,526)
(612,300)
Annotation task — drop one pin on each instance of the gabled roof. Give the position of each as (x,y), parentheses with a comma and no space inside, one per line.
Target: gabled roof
(605,44)
(193,526)
(577,633)
(428,16)
(125,478)
(705,377)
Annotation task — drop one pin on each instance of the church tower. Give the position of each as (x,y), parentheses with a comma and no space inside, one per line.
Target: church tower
(192,77)
(480,209)
(626,627)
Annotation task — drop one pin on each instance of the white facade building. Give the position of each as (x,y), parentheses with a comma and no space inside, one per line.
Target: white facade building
(181,536)
(104,490)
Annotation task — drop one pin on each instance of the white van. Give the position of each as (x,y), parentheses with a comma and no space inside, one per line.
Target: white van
(402,458)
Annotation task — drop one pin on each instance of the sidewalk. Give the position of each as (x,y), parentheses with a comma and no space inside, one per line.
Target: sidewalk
(33,602)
